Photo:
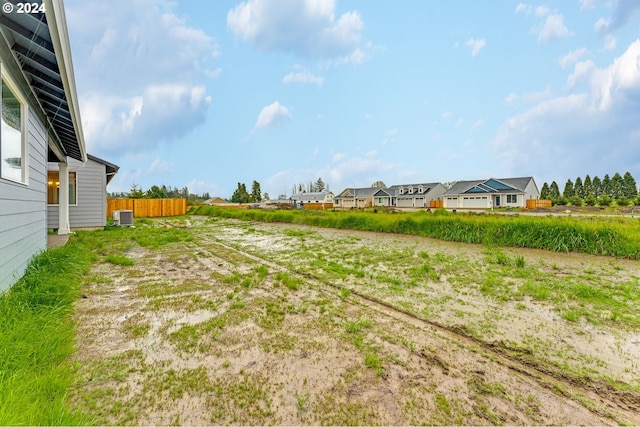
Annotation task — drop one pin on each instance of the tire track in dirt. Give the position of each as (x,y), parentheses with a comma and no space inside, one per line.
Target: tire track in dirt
(608,402)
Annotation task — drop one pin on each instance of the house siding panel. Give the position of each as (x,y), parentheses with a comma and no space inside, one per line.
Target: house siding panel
(23,210)
(90,210)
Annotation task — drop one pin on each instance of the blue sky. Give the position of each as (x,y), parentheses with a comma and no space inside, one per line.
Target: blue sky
(206,94)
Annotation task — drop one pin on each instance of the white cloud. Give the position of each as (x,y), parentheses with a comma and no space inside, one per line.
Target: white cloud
(572,57)
(610,42)
(302,76)
(542,11)
(162,113)
(476,45)
(307,28)
(160,167)
(553,29)
(528,98)
(273,114)
(594,129)
(580,72)
(522,8)
(602,25)
(124,107)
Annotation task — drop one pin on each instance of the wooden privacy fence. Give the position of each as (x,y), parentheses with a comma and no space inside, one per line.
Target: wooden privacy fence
(147,208)
(436,204)
(538,203)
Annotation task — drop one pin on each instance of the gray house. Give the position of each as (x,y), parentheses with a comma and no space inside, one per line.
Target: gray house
(40,124)
(492,192)
(87,193)
(409,195)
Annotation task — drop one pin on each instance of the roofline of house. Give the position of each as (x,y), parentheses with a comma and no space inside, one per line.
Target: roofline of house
(56,20)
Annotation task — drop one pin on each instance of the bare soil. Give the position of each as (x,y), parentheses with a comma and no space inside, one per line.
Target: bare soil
(253,323)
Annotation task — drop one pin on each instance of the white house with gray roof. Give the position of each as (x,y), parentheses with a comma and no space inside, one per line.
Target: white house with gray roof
(324,198)
(409,195)
(491,193)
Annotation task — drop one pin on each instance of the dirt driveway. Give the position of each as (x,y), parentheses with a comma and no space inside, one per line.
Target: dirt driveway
(252,323)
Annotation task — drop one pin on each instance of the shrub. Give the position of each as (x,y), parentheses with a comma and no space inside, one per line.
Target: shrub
(575,201)
(590,200)
(560,201)
(604,200)
(622,201)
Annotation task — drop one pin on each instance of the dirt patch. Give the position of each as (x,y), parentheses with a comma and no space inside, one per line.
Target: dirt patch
(254,323)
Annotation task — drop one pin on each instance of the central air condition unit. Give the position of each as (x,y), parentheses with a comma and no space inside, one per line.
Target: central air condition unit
(123,218)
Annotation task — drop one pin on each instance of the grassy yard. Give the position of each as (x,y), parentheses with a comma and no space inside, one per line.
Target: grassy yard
(211,320)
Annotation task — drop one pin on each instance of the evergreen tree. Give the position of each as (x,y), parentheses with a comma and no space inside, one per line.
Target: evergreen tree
(240,195)
(156,192)
(136,192)
(606,185)
(256,194)
(320,186)
(554,191)
(617,186)
(568,189)
(630,188)
(578,188)
(544,193)
(587,187)
(596,187)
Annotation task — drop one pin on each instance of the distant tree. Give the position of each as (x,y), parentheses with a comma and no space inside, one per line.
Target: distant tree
(256,194)
(282,197)
(136,192)
(240,195)
(568,189)
(606,185)
(617,186)
(596,187)
(554,191)
(156,192)
(587,186)
(630,188)
(265,196)
(578,188)
(320,186)
(544,193)
(378,184)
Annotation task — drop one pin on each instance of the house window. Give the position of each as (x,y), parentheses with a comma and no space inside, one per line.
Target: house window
(512,198)
(53,188)
(12,145)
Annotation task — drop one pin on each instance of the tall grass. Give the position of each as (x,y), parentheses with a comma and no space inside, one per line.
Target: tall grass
(37,338)
(594,235)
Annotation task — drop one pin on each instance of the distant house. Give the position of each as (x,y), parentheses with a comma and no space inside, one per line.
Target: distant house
(355,198)
(87,193)
(492,192)
(320,200)
(216,201)
(409,195)
(40,124)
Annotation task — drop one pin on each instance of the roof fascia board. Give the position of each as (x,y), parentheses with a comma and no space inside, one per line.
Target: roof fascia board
(56,19)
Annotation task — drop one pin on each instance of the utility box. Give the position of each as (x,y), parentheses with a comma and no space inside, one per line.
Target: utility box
(123,218)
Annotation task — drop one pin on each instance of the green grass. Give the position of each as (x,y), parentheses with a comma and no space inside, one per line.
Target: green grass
(37,339)
(593,235)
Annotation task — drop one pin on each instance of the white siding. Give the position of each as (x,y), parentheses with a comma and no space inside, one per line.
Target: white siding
(23,231)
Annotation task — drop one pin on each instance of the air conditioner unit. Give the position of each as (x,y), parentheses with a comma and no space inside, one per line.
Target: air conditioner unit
(123,218)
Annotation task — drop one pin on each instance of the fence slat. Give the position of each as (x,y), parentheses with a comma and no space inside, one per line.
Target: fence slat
(147,208)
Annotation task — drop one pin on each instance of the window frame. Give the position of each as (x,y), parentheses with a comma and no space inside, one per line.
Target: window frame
(8,80)
(73,184)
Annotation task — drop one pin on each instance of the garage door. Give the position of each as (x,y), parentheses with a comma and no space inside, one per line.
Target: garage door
(475,202)
(450,202)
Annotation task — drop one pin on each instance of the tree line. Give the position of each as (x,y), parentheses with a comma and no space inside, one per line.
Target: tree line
(603,192)
(160,192)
